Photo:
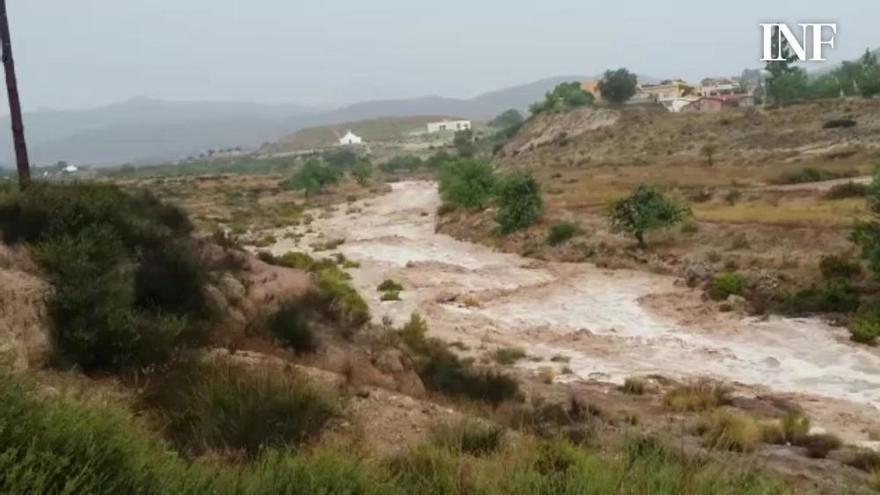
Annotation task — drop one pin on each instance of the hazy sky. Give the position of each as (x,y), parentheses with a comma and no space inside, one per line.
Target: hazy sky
(81,53)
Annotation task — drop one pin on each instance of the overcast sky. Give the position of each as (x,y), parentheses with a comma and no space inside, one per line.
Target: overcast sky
(83,53)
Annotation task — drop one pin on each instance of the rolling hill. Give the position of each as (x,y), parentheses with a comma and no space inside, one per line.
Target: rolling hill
(149,130)
(378,129)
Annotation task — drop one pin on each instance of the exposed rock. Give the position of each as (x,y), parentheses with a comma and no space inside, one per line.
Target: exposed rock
(390,361)
(697,272)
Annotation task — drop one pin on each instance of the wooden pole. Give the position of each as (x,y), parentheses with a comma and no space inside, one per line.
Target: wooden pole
(21,155)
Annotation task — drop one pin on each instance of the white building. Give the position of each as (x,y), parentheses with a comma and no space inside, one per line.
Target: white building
(349,139)
(71,169)
(448,125)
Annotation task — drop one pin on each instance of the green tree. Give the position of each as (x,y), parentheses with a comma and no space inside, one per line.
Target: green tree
(509,118)
(618,86)
(362,171)
(869,79)
(466,183)
(785,82)
(644,210)
(825,86)
(312,177)
(866,234)
(564,96)
(519,202)
(464,143)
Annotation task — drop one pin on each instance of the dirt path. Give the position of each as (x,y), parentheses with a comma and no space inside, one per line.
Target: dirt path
(610,324)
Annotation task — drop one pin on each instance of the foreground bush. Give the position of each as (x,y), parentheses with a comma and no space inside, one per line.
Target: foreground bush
(727,284)
(466,183)
(442,371)
(127,281)
(217,406)
(469,436)
(562,232)
(519,202)
(864,326)
(699,396)
(290,325)
(66,447)
(732,430)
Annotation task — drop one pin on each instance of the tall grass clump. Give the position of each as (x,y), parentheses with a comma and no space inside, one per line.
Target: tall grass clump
(698,396)
(205,406)
(126,275)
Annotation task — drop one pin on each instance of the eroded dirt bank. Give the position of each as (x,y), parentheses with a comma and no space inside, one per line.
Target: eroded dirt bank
(611,324)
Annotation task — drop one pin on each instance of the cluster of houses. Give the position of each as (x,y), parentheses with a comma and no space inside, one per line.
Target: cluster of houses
(677,95)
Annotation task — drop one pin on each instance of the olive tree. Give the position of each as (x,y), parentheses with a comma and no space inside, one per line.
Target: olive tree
(644,210)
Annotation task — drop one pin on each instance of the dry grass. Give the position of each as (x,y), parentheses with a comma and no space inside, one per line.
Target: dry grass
(698,396)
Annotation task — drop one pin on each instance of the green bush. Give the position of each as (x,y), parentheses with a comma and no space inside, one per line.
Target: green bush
(564,96)
(834,266)
(290,325)
(217,406)
(729,283)
(391,295)
(644,210)
(848,190)
(128,285)
(312,177)
(562,232)
(389,285)
(337,298)
(810,174)
(519,202)
(836,295)
(864,326)
(466,183)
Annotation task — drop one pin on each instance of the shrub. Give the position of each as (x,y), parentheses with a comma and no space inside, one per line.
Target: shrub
(509,355)
(634,386)
(389,285)
(338,299)
(699,396)
(820,445)
(312,177)
(644,210)
(466,183)
(218,406)
(127,282)
(519,202)
(834,266)
(391,295)
(810,174)
(839,123)
(834,295)
(726,284)
(562,97)
(469,436)
(442,371)
(864,326)
(292,259)
(848,190)
(795,426)
(732,430)
(562,232)
(291,326)
(618,86)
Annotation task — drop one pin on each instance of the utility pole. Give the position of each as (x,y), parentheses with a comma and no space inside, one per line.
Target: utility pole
(21,155)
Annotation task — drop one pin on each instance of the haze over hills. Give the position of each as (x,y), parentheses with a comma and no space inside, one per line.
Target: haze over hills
(148,130)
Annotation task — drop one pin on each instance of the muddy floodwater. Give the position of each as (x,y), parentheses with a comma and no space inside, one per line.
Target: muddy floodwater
(610,324)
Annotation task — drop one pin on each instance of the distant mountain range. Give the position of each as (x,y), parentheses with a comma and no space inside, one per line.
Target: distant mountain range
(147,130)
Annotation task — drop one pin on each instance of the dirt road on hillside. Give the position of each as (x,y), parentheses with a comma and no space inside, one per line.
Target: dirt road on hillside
(611,324)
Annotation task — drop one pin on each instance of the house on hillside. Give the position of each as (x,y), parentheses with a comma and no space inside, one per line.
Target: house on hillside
(448,125)
(718,86)
(349,139)
(718,103)
(674,88)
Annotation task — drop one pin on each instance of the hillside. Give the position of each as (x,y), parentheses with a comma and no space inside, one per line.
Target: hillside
(144,129)
(648,135)
(372,130)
